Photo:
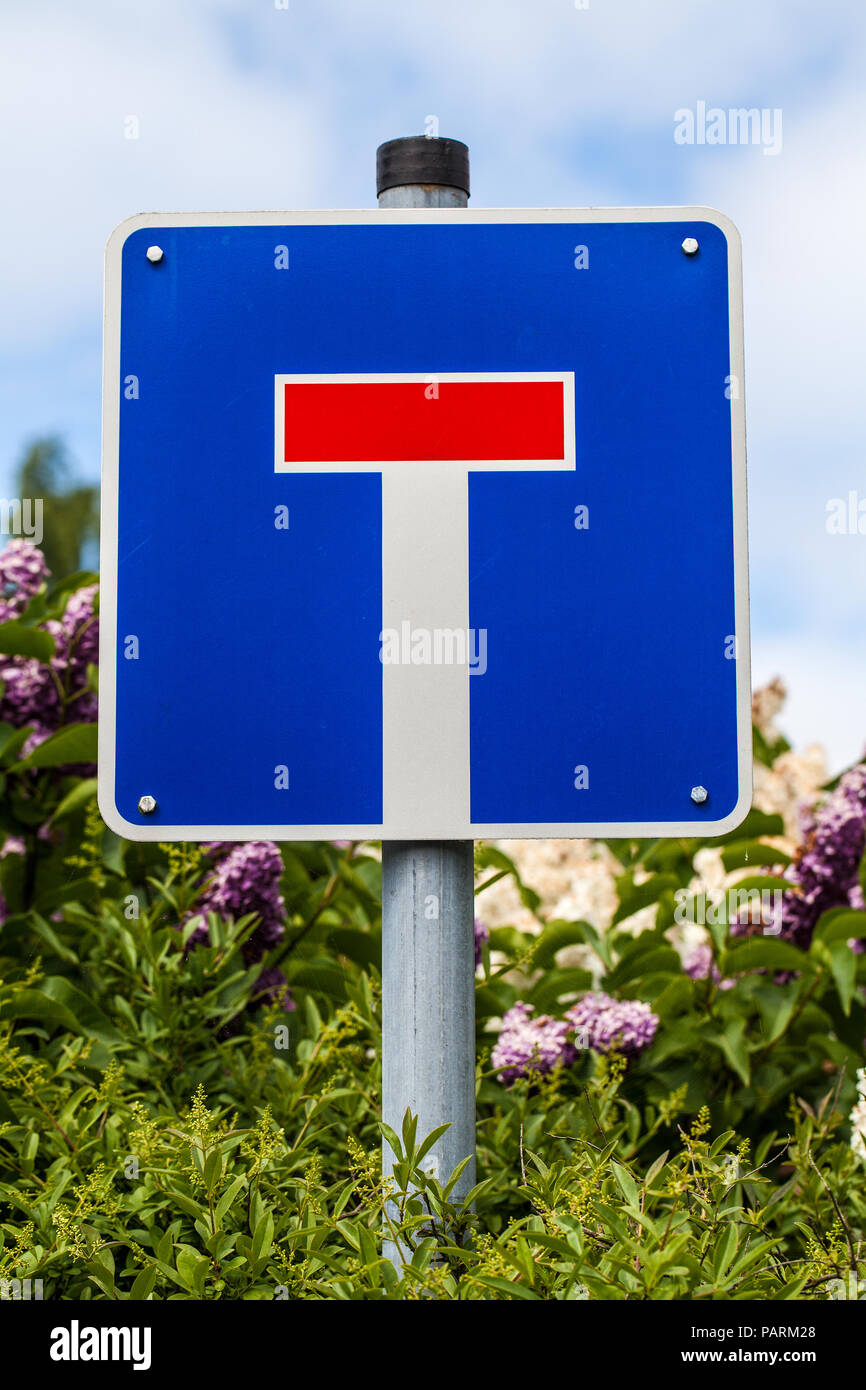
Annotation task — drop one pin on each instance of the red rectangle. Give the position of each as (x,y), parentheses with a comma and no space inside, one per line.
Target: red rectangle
(386,421)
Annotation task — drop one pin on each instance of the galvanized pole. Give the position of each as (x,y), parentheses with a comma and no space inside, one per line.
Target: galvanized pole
(428,941)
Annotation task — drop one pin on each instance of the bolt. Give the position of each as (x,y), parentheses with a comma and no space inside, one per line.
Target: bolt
(155,253)
(699,795)
(146,805)
(690,246)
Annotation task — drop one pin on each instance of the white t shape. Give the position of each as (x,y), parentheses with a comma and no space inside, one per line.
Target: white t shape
(425,585)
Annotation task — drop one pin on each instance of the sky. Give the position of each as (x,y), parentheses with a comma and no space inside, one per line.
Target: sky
(109,108)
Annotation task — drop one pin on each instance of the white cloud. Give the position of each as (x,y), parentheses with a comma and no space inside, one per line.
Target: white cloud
(826,683)
(243,105)
(209,137)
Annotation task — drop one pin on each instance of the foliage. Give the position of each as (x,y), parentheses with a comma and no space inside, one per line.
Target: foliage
(70,511)
(168,1130)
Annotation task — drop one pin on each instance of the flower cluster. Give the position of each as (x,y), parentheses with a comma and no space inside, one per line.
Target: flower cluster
(46,694)
(528,1044)
(246,878)
(627,1026)
(77,646)
(698,962)
(824,872)
(22,573)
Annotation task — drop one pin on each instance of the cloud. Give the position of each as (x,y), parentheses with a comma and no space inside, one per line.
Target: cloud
(825,693)
(242,104)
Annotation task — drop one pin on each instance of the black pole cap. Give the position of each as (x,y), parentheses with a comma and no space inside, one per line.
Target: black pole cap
(422,159)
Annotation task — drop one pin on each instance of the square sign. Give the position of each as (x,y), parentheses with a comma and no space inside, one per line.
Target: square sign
(424,525)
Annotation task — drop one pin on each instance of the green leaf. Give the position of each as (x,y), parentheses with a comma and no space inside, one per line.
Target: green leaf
(75,743)
(362,947)
(143,1285)
(192,1268)
(213,1168)
(651,958)
(752,853)
(81,793)
(763,953)
(18,640)
(776,1004)
(33,1003)
(44,930)
(656,1168)
(231,1192)
(11,742)
(839,924)
(186,1204)
(553,984)
(91,1019)
(506,1286)
(725,1251)
(627,1184)
(263,1237)
(843,964)
(733,1044)
(634,897)
(554,937)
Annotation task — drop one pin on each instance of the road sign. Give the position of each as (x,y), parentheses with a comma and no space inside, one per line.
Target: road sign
(424,524)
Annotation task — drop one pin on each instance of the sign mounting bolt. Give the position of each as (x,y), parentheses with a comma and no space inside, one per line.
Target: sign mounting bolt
(690,246)
(155,254)
(699,795)
(146,805)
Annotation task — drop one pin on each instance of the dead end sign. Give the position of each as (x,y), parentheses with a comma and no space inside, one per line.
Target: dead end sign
(424,525)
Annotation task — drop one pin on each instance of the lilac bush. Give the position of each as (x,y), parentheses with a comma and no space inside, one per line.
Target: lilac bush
(47,694)
(626,1026)
(528,1044)
(246,878)
(23,571)
(825,871)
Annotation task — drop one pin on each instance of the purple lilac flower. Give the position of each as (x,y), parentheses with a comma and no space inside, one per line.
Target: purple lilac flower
(611,1025)
(31,688)
(482,936)
(698,962)
(76,639)
(246,878)
(22,573)
(824,873)
(526,1044)
(30,694)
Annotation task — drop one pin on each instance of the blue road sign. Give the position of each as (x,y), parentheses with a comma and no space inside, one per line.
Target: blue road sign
(424,524)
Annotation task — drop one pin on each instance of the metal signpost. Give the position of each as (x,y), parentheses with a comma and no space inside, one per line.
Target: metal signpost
(481,478)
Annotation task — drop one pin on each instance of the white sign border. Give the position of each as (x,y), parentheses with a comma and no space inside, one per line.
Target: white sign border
(148,831)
